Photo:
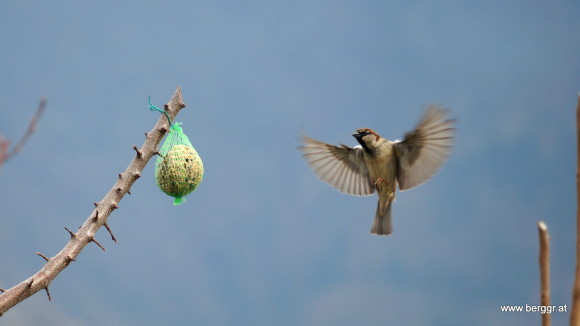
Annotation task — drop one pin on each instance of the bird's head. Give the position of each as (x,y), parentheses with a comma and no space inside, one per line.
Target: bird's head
(367,138)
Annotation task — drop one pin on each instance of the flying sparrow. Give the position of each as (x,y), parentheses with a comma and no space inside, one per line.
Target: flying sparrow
(380,164)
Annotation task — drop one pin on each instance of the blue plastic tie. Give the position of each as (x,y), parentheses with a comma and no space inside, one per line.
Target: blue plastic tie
(154,108)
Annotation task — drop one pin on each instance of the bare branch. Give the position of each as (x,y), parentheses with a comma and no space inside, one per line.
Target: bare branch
(41,279)
(575,313)
(31,128)
(545,298)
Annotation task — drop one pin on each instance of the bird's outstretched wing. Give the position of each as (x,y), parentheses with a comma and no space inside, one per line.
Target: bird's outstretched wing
(423,150)
(342,167)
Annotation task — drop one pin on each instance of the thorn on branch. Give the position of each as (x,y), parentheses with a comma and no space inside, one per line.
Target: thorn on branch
(163,130)
(47,293)
(2,290)
(41,255)
(72,235)
(96,218)
(69,259)
(128,192)
(29,284)
(139,153)
(120,176)
(146,135)
(114,206)
(98,244)
(110,232)
(166,107)
(96,204)
(136,175)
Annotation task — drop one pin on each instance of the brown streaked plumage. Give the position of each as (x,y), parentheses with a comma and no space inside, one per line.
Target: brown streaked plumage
(379,164)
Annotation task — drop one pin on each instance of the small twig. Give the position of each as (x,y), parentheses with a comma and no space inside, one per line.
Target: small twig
(110,232)
(4,145)
(31,128)
(545,299)
(48,293)
(41,255)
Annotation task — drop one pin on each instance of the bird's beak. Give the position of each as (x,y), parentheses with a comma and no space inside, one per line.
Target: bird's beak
(356,135)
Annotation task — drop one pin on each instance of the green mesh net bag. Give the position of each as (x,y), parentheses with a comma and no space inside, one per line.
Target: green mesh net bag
(178,170)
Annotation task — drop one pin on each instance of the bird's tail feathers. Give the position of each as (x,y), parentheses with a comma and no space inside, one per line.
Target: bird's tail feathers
(382,224)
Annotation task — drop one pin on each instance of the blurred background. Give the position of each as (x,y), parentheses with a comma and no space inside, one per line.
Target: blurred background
(263,241)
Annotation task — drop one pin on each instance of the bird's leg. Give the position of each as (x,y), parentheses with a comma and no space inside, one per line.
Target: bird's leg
(378,181)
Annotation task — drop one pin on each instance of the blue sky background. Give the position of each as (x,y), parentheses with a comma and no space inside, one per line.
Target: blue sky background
(263,241)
